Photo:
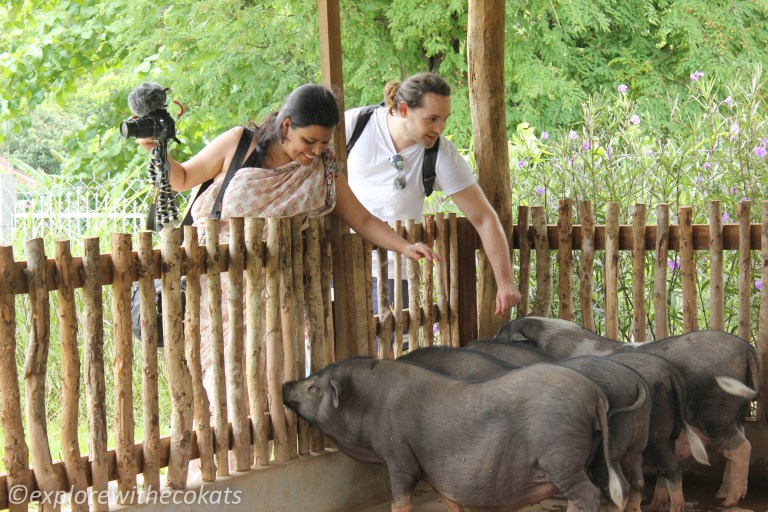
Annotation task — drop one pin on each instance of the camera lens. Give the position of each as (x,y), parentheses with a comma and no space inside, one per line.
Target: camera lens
(141,127)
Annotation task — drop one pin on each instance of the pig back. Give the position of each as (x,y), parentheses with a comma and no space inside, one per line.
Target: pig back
(458,363)
(514,353)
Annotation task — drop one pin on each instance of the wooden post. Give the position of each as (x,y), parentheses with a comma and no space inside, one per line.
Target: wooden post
(234,350)
(565,259)
(441,245)
(485,57)
(70,388)
(524,280)
(453,286)
(587,220)
(612,271)
(744,329)
(122,262)
(428,319)
(397,307)
(414,284)
(370,320)
(317,353)
(179,378)
(288,332)
(215,306)
(386,316)
(660,310)
(95,386)
(149,376)
(360,311)
(542,303)
(254,335)
(638,273)
(15,451)
(35,371)
(762,329)
(466,281)
(716,286)
(687,269)
(202,407)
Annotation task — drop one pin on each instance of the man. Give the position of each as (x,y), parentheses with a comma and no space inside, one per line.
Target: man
(385,169)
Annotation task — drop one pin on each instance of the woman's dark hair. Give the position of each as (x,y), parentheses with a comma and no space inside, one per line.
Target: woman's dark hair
(307,105)
(413,89)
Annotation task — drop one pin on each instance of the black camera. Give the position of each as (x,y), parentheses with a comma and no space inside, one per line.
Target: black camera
(157,125)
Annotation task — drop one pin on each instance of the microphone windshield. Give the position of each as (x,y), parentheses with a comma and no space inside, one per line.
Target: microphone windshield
(146,98)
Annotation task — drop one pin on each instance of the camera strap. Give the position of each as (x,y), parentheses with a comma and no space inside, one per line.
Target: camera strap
(234,166)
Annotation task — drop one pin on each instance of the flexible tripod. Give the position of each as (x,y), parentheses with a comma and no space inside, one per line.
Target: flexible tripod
(164,207)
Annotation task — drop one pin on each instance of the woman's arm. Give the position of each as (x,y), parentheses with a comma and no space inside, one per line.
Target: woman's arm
(379,233)
(207,164)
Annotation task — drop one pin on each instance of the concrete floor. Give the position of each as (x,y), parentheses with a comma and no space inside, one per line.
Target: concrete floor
(698,497)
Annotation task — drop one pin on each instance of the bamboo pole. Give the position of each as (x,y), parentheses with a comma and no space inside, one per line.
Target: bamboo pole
(587,220)
(122,262)
(716,286)
(398,295)
(201,405)
(565,259)
(743,210)
(254,335)
(638,273)
(524,282)
(542,303)
(15,452)
(687,269)
(316,342)
(179,377)
(414,284)
(234,350)
(441,243)
(70,389)
(95,386)
(612,271)
(660,311)
(762,329)
(149,375)
(215,305)
(453,282)
(386,316)
(428,319)
(275,354)
(288,332)
(35,370)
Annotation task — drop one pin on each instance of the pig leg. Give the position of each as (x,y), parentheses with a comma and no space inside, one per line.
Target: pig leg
(675,488)
(661,455)
(633,469)
(735,476)
(581,493)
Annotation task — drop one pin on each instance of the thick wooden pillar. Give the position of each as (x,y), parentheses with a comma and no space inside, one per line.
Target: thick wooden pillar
(485,55)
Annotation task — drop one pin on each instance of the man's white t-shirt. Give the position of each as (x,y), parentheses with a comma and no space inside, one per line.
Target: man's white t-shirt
(371,175)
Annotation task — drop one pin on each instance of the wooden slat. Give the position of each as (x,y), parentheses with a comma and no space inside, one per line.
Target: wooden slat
(317,341)
(660,311)
(149,375)
(326,265)
(441,245)
(587,219)
(565,259)
(397,306)
(524,278)
(216,335)
(762,329)
(179,378)
(370,320)
(716,286)
(612,271)
(428,266)
(542,303)
(123,368)
(15,450)
(297,260)
(201,405)
(744,328)
(95,386)
(70,389)
(687,270)
(453,283)
(386,316)
(414,285)
(466,284)
(638,274)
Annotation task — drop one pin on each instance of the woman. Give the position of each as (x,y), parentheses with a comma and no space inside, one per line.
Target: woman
(290,169)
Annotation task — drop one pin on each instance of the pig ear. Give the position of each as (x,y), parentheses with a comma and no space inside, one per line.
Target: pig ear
(335,386)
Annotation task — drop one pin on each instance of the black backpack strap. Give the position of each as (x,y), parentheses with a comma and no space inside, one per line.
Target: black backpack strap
(362,121)
(234,166)
(428,168)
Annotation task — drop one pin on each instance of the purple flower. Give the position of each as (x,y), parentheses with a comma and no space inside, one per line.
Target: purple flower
(608,151)
(622,88)
(698,179)
(435,328)
(635,119)
(572,135)
(726,217)
(544,135)
(759,284)
(521,163)
(743,199)
(735,129)
(760,151)
(696,75)
(586,144)
(673,265)
(539,191)
(707,165)
(728,101)
(648,152)
(732,190)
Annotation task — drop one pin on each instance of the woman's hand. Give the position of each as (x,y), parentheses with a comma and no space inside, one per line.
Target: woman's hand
(147,144)
(418,251)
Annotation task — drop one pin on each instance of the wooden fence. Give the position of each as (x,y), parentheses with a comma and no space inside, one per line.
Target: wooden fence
(281,302)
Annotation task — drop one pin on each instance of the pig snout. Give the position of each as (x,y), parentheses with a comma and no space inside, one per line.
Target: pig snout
(290,394)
